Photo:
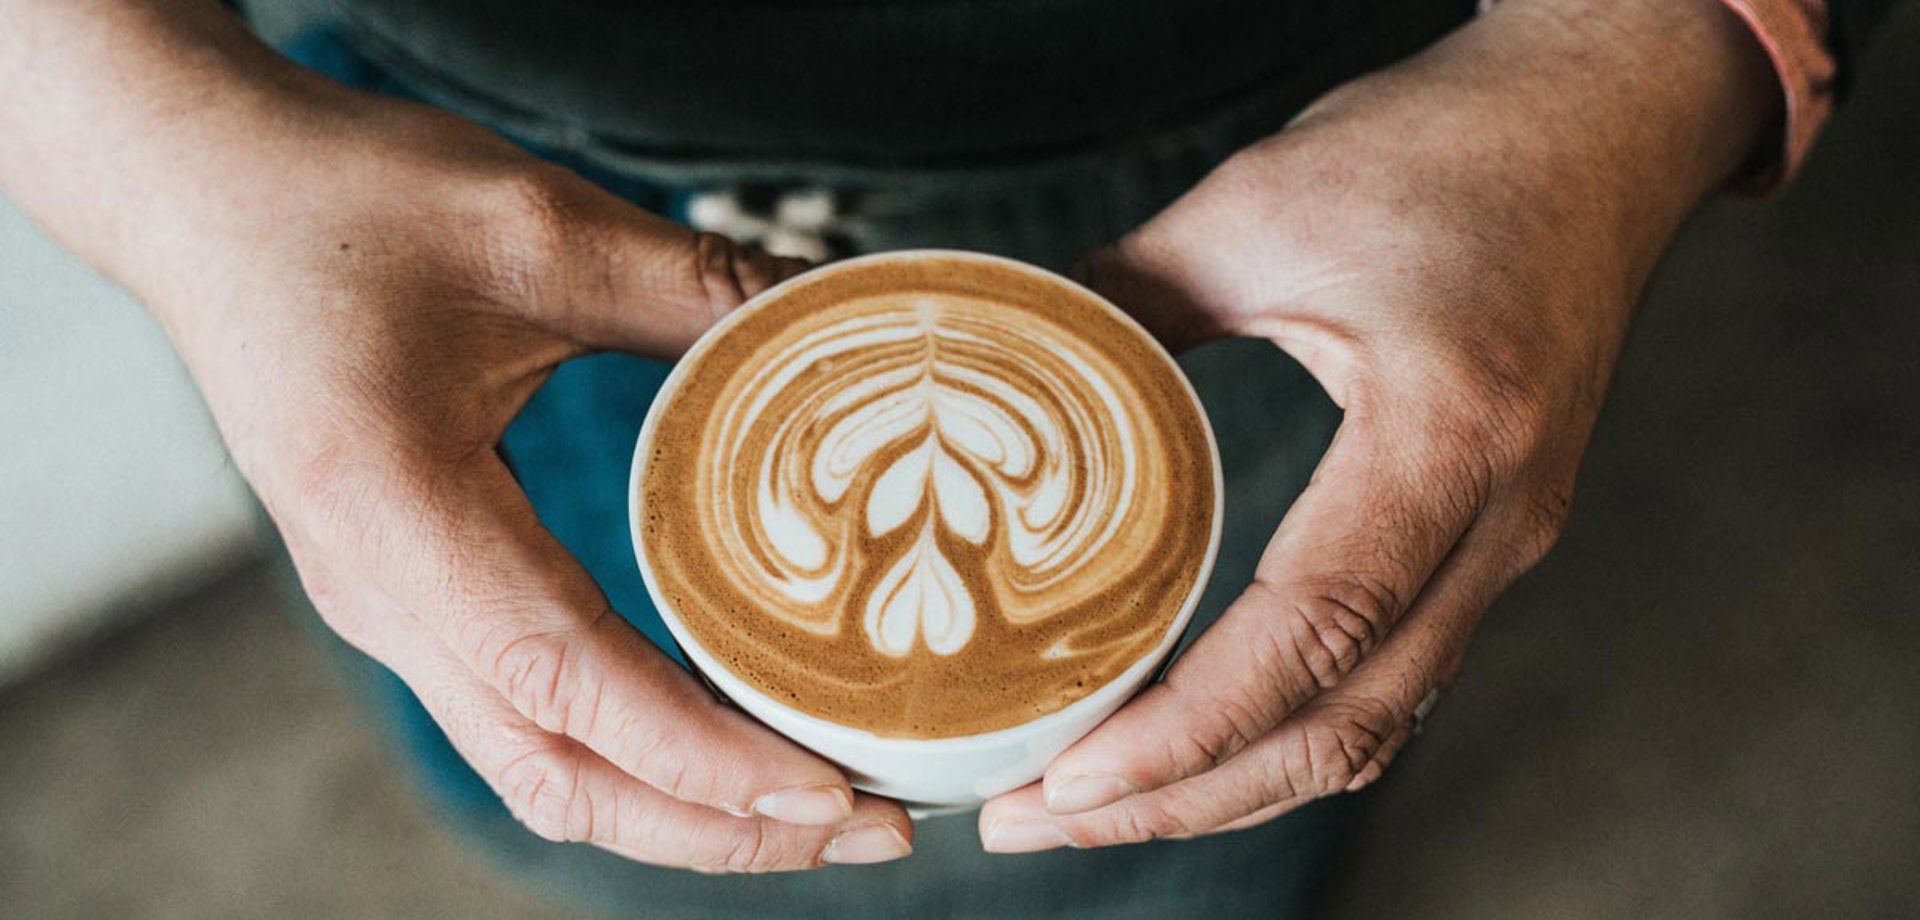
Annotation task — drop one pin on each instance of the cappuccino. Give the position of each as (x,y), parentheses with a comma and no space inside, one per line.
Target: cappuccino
(927,498)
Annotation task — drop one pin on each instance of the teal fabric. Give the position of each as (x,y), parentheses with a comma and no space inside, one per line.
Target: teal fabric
(572,445)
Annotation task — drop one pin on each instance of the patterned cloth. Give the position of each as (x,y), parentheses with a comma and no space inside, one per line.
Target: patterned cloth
(808,222)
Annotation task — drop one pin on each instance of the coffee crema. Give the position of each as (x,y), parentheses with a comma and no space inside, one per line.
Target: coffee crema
(928,498)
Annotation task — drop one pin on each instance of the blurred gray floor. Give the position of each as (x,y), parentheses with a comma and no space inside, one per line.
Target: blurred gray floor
(1706,704)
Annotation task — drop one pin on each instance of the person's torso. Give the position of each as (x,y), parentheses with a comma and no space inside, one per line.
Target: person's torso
(878,81)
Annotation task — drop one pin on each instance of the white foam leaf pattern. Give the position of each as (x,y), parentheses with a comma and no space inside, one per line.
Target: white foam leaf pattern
(923,592)
(921,595)
(899,491)
(997,436)
(962,503)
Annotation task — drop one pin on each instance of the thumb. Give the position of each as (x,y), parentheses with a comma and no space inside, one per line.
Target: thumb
(611,276)
(1148,283)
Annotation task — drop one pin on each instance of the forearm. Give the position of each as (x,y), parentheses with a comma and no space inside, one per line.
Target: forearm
(129,126)
(1602,118)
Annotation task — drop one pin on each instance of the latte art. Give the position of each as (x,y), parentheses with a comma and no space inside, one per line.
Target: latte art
(935,502)
(961,426)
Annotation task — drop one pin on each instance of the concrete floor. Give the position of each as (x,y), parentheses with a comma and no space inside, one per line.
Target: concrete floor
(1706,704)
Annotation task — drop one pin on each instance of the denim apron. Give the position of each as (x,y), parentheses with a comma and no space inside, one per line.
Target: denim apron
(572,445)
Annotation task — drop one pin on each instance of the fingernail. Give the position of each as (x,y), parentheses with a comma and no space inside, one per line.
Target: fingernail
(809,805)
(859,846)
(1086,792)
(1023,837)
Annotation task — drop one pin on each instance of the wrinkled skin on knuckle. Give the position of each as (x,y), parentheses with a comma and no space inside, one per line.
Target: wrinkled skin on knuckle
(364,501)
(542,789)
(1226,722)
(1345,620)
(721,272)
(532,223)
(752,852)
(1137,823)
(1178,813)
(330,492)
(568,254)
(1333,625)
(745,847)
(1486,404)
(532,671)
(1337,743)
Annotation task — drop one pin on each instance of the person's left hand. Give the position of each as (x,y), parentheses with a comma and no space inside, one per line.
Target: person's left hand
(1453,248)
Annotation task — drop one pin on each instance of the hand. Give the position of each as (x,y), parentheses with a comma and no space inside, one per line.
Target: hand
(367,292)
(363,352)
(1453,248)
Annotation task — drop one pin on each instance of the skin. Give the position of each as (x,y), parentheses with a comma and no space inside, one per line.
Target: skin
(367,291)
(1454,248)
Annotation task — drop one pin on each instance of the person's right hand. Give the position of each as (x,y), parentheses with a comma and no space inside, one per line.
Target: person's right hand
(367,298)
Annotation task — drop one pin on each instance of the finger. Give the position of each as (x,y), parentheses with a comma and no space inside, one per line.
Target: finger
(577,797)
(1297,763)
(1373,771)
(1152,287)
(661,270)
(1340,740)
(879,831)
(564,792)
(1317,752)
(1357,548)
(1382,759)
(462,548)
(613,276)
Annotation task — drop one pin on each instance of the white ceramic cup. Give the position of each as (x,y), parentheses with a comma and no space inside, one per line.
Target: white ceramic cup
(932,774)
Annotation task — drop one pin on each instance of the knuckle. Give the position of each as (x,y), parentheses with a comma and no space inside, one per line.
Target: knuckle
(332,490)
(537,214)
(543,790)
(720,271)
(1361,606)
(538,201)
(665,767)
(1503,410)
(1332,647)
(1545,516)
(751,851)
(1340,744)
(530,669)
(1334,626)
(1232,720)
(542,673)
(1141,823)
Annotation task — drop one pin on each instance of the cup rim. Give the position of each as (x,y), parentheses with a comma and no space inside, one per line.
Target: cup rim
(714,671)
